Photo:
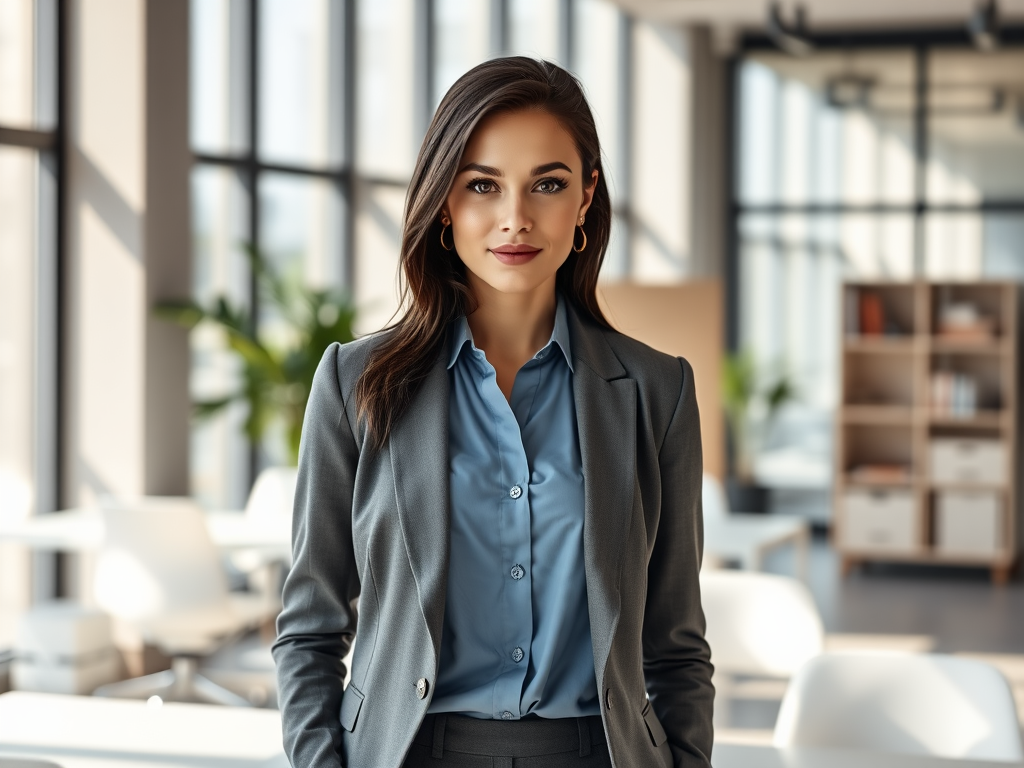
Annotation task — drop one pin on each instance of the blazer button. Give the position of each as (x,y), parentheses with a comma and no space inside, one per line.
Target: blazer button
(608,699)
(422,686)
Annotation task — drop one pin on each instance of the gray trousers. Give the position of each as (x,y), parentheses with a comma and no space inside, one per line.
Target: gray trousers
(455,741)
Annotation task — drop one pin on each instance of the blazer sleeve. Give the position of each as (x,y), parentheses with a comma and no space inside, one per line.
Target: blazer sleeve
(677,660)
(318,621)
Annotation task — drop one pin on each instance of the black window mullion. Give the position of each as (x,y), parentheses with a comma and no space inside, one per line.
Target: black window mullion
(920,153)
(348,147)
(566,23)
(499,27)
(423,68)
(253,184)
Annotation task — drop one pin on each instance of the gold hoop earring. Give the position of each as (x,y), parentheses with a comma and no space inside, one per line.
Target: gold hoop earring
(582,247)
(445,223)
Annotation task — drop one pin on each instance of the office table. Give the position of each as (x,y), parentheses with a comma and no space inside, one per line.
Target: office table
(748,756)
(76,530)
(748,537)
(88,732)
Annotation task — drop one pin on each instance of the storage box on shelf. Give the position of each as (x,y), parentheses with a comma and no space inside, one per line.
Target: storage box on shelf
(927,432)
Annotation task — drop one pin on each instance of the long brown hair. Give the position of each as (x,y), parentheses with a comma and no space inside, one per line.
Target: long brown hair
(434,290)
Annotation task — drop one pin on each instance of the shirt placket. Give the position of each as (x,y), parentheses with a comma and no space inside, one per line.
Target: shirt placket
(513,508)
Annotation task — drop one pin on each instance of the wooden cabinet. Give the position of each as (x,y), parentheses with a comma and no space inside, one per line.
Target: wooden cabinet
(927,431)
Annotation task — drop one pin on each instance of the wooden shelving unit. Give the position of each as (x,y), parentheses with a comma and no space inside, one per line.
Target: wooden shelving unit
(915,387)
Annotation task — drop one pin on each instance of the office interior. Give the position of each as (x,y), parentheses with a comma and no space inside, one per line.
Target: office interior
(826,195)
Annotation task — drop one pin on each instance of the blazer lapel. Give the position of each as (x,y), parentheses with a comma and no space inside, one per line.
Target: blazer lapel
(606,417)
(419,459)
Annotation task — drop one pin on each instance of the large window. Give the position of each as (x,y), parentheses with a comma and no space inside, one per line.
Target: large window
(306,120)
(29,197)
(886,159)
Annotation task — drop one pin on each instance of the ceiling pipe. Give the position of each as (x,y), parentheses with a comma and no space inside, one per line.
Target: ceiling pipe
(794,39)
(983,25)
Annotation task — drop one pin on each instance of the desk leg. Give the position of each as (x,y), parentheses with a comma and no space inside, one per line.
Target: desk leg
(802,546)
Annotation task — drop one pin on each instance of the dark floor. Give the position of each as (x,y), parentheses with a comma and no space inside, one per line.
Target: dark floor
(959,608)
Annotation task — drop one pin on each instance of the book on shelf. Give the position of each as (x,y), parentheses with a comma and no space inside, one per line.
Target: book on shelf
(872,314)
(864,314)
(954,394)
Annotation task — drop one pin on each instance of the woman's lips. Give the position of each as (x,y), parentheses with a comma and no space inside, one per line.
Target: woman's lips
(515,254)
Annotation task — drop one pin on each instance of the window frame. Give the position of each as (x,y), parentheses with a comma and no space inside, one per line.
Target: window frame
(48,570)
(921,42)
(344,175)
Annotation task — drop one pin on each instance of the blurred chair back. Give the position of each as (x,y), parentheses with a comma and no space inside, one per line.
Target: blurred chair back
(713,497)
(927,704)
(157,560)
(759,624)
(273,494)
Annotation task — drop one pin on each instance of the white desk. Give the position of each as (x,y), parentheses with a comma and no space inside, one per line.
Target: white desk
(747,538)
(76,530)
(745,756)
(86,732)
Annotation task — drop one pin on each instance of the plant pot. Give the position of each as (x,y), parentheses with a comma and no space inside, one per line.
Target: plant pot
(745,497)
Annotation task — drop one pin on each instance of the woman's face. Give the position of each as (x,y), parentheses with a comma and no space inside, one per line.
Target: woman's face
(516,201)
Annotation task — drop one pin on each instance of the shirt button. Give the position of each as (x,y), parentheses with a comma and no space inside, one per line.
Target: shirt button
(518,572)
(515,492)
(517,654)
(506,715)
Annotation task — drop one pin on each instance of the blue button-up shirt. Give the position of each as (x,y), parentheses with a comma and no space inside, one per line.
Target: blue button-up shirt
(516,637)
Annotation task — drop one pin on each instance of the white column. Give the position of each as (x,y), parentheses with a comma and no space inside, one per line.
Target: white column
(129,246)
(678,154)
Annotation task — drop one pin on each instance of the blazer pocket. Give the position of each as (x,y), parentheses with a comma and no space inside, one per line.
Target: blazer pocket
(654,729)
(351,703)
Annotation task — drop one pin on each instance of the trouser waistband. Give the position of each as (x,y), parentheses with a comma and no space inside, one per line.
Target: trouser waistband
(509,738)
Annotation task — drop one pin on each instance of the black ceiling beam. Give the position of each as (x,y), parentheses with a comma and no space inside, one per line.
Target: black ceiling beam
(885,38)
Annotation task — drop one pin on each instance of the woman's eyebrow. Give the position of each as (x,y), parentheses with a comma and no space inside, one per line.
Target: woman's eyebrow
(489,170)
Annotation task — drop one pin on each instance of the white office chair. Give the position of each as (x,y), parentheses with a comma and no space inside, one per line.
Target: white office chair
(273,494)
(159,571)
(271,499)
(745,537)
(924,704)
(761,628)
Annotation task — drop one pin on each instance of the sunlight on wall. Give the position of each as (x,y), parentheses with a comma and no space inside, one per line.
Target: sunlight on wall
(661,163)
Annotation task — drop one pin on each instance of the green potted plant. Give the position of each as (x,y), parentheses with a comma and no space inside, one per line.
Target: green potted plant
(750,410)
(276,371)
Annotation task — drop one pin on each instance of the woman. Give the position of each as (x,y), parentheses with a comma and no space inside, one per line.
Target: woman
(507,487)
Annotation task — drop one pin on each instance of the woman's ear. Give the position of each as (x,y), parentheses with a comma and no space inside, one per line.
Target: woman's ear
(588,192)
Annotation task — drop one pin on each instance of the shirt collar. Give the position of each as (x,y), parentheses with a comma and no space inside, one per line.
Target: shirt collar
(559,336)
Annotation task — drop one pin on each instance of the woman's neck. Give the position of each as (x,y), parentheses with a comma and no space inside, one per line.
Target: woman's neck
(511,328)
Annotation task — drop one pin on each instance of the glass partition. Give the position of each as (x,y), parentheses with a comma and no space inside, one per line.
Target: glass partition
(462,33)
(218,86)
(300,82)
(385,142)
(976,126)
(28,64)
(829,128)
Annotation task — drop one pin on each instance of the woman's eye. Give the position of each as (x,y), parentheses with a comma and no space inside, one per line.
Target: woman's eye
(550,186)
(481,186)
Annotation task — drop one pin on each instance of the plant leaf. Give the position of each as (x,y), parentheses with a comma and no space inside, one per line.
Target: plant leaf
(205,409)
(187,314)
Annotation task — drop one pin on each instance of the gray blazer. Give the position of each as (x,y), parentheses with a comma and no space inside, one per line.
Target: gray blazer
(370,536)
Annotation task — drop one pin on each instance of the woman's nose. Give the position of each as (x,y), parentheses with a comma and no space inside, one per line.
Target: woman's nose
(515,216)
